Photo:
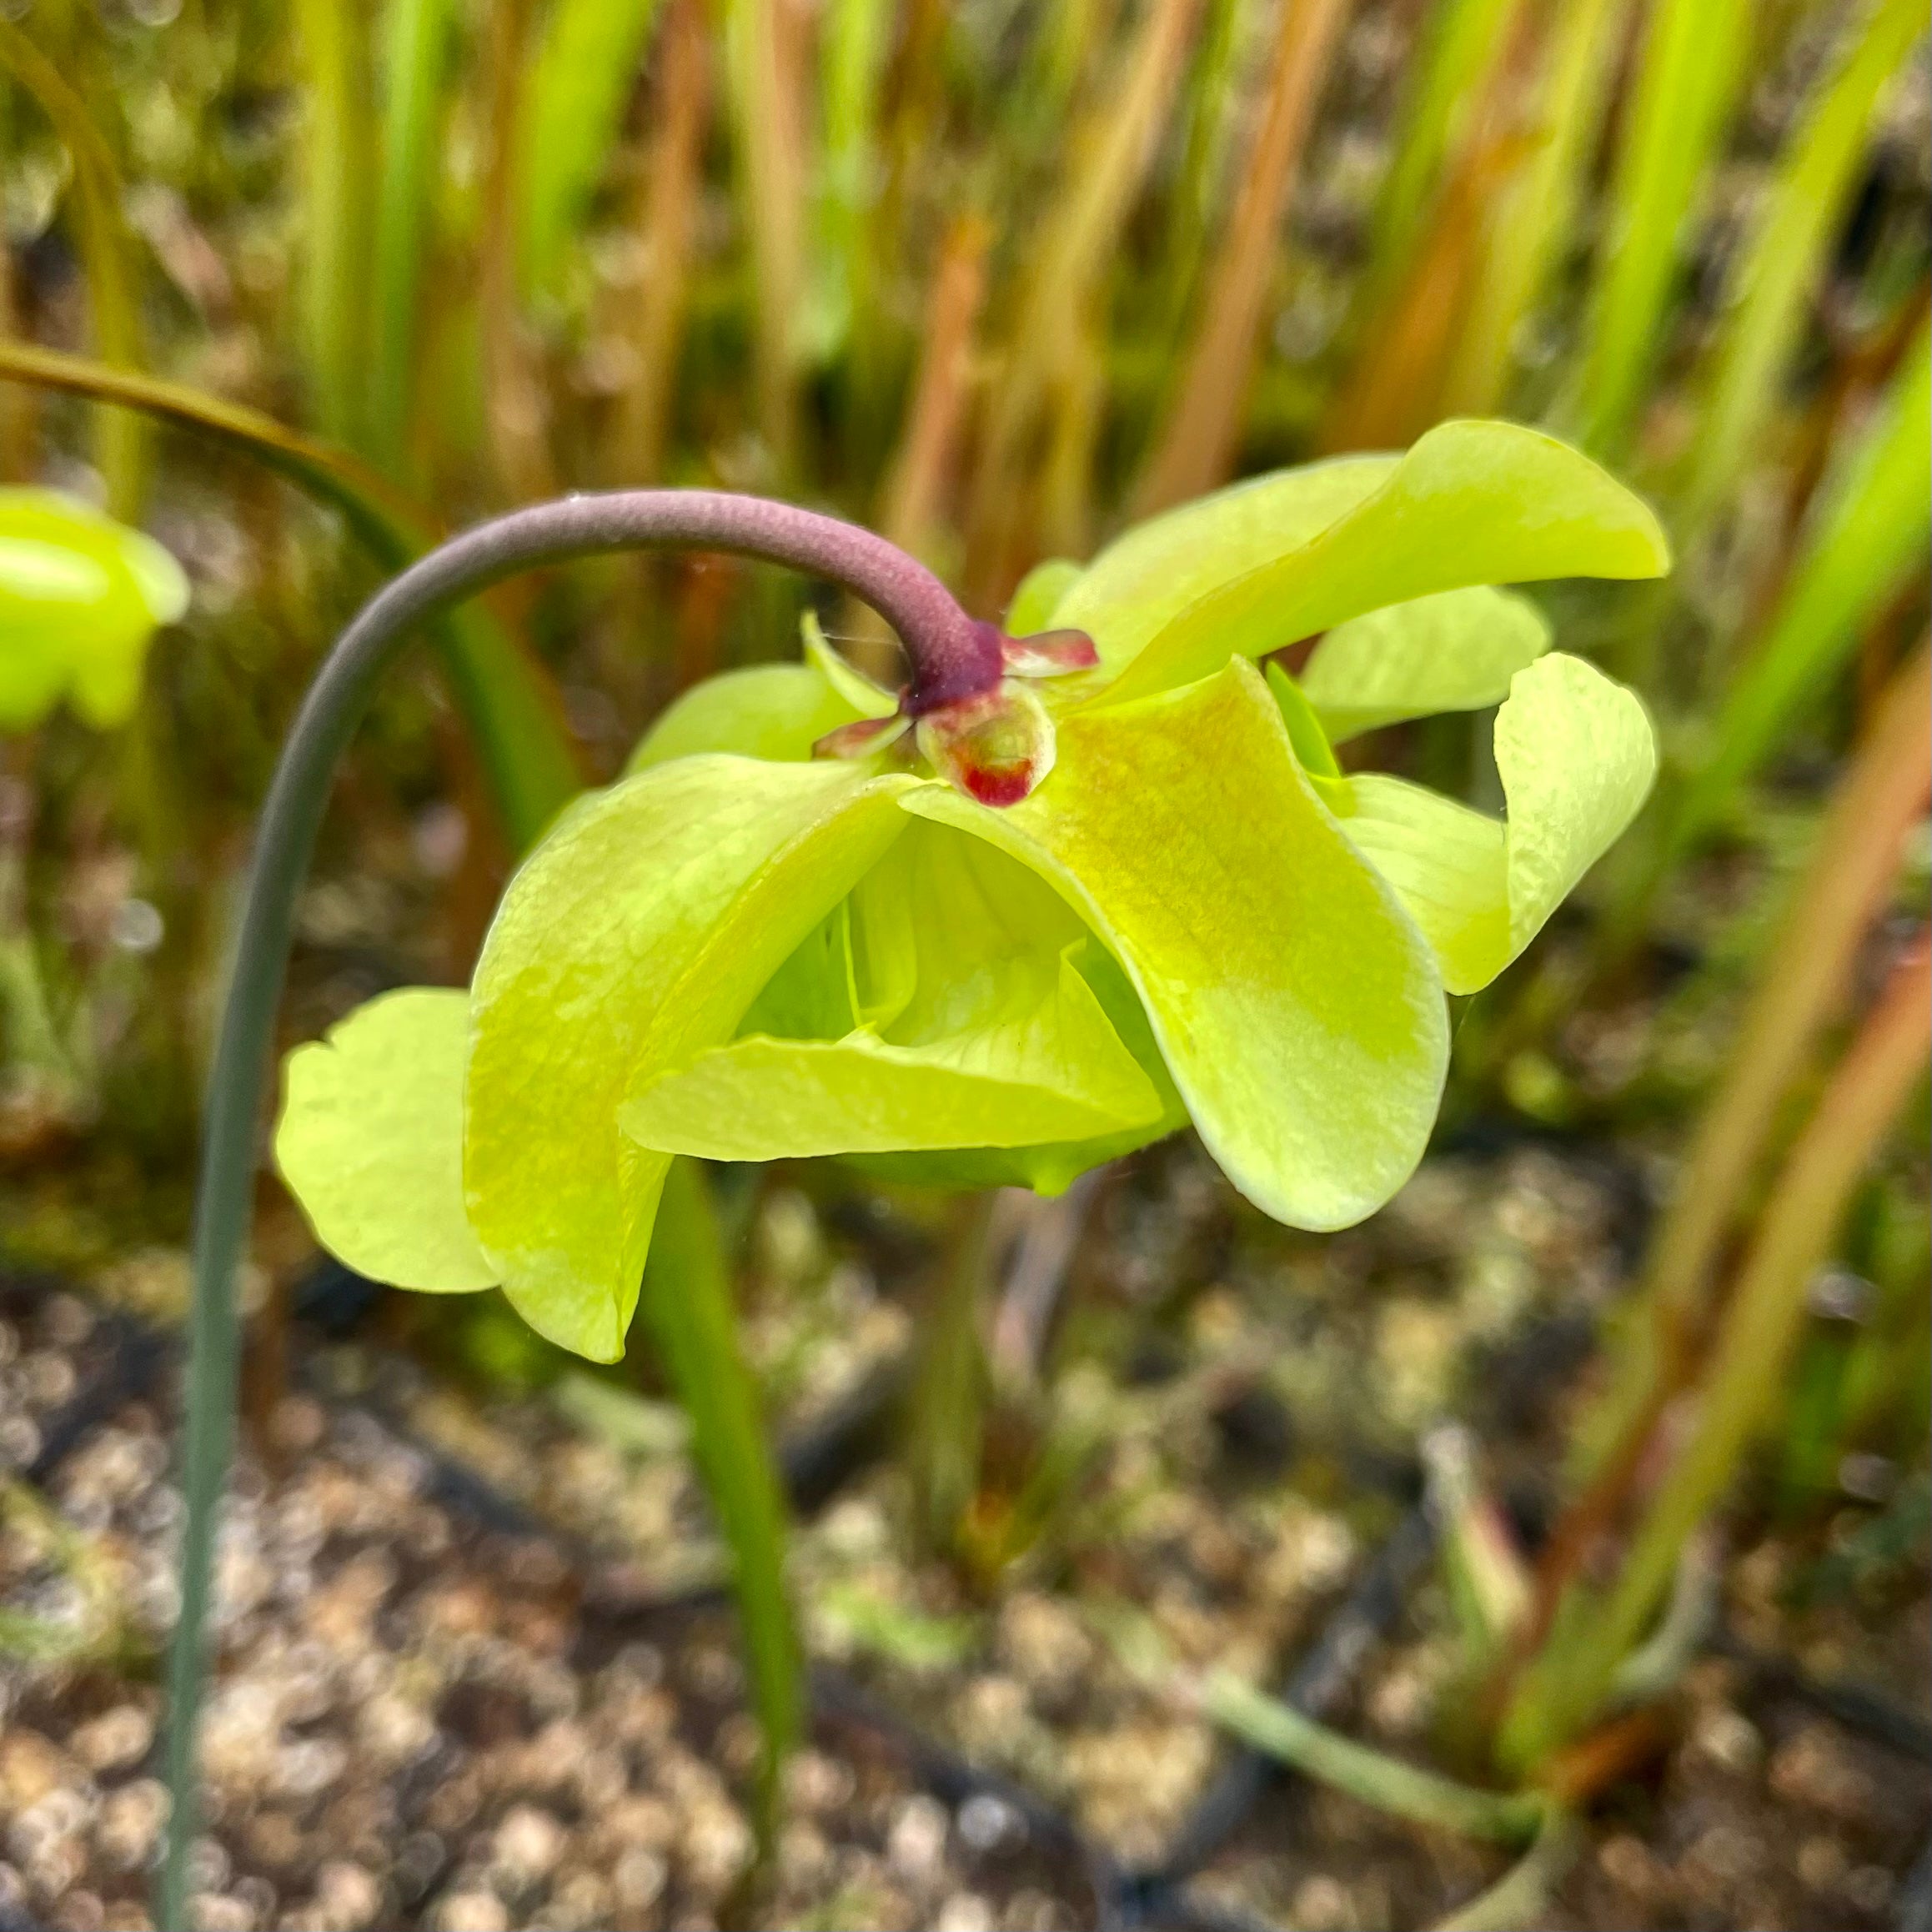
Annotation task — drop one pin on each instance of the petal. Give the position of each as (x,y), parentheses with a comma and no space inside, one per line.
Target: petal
(1305,730)
(1297,1010)
(1576,758)
(370,1140)
(863,737)
(1039,596)
(1054,1070)
(869,700)
(1145,578)
(1472,502)
(80,597)
(982,999)
(775,711)
(633,937)
(1449,867)
(1049,653)
(1455,651)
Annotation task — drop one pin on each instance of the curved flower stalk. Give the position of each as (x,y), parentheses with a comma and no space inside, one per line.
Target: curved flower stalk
(1111,882)
(80,597)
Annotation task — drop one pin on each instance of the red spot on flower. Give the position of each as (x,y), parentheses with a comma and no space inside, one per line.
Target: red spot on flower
(995,747)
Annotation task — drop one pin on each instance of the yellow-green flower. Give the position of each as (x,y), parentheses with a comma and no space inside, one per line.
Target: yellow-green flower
(80,597)
(1184,913)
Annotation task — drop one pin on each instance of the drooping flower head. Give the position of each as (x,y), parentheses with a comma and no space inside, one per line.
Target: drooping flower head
(1000,933)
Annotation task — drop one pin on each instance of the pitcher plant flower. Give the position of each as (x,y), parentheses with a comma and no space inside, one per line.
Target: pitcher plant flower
(81,596)
(1097,877)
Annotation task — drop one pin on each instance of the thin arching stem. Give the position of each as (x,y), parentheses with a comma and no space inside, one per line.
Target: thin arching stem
(951,656)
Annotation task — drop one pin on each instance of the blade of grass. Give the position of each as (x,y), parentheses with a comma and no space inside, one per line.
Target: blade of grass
(416,45)
(1465,41)
(1387,1783)
(106,247)
(1394,392)
(516,405)
(949,1399)
(336,175)
(505,697)
(580,85)
(1536,211)
(1213,92)
(1845,885)
(762,67)
(1110,155)
(681,113)
(687,1305)
(1197,442)
(1788,253)
(1743,1382)
(1522,1895)
(910,504)
(851,70)
(1688,74)
(1867,540)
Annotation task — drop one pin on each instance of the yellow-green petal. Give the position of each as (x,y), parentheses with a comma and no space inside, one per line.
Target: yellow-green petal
(80,597)
(868,700)
(1471,503)
(775,711)
(1576,757)
(1039,594)
(1297,1008)
(1455,651)
(1449,867)
(632,939)
(370,1140)
(1052,1071)
(1147,576)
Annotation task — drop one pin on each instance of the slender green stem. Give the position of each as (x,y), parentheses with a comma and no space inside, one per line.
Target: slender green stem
(1386,1782)
(686,1304)
(1521,1896)
(945,645)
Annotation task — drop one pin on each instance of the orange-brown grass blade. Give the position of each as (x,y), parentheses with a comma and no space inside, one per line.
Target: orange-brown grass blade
(1197,442)
(681,113)
(1112,152)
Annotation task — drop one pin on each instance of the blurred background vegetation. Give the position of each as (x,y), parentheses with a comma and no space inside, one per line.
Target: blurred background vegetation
(298,285)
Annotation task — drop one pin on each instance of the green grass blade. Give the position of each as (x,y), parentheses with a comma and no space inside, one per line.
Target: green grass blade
(581,82)
(416,45)
(1787,255)
(759,66)
(1465,40)
(1213,95)
(505,697)
(1109,158)
(687,1306)
(106,252)
(1868,538)
(1201,437)
(852,66)
(1692,61)
(1748,1361)
(1537,209)
(335,203)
